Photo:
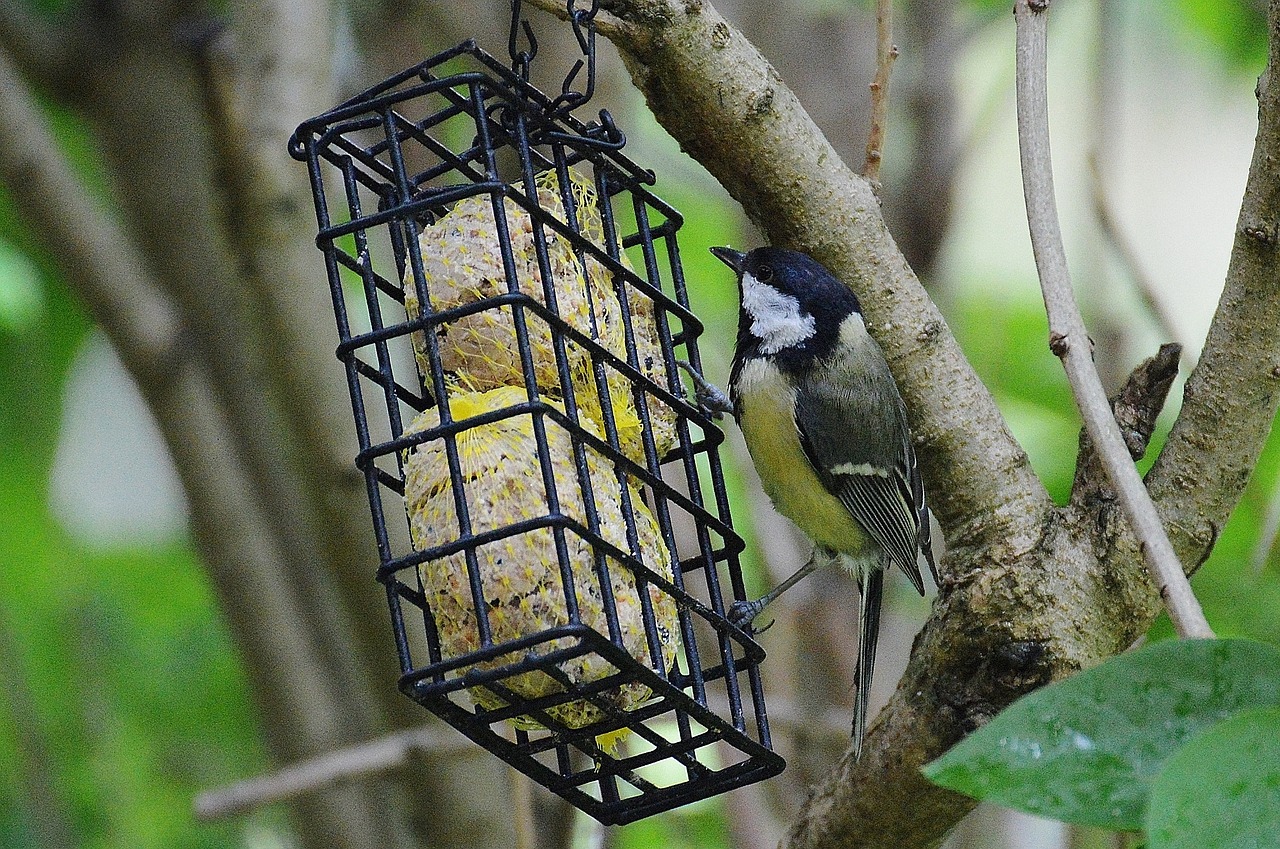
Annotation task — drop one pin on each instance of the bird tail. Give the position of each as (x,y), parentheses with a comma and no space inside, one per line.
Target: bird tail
(869,621)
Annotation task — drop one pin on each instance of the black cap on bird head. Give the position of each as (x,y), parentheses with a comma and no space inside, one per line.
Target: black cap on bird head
(795,273)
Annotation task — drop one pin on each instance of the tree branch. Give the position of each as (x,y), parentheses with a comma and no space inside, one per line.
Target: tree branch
(1021,600)
(312,774)
(271,71)
(1068,338)
(886,52)
(1231,397)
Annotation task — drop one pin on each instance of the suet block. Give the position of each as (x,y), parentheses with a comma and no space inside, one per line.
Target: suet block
(523,590)
(462,264)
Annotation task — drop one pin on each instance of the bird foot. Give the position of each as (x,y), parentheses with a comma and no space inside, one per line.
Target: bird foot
(743,613)
(710,398)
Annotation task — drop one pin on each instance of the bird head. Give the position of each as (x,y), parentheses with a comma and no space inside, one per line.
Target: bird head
(789,301)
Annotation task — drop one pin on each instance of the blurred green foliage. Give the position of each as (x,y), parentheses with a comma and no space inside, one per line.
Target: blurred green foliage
(1233,31)
(123,693)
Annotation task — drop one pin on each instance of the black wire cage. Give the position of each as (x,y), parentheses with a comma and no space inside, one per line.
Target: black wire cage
(549,509)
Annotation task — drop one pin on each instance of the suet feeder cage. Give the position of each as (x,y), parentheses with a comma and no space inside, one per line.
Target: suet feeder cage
(549,509)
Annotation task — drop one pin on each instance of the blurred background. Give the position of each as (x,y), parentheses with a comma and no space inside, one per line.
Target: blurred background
(138,670)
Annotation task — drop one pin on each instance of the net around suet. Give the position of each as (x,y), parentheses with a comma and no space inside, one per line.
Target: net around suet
(524,593)
(462,264)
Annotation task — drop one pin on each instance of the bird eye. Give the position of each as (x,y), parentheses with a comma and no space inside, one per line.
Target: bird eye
(764,273)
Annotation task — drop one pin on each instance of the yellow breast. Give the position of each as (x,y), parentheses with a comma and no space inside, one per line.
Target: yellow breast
(766,416)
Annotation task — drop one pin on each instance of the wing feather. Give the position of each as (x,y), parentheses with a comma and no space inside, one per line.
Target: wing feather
(858,443)
(878,505)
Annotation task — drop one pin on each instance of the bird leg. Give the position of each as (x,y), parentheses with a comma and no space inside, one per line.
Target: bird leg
(711,398)
(741,613)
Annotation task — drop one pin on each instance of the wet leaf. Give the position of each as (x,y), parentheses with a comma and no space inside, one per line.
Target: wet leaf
(1222,789)
(1086,749)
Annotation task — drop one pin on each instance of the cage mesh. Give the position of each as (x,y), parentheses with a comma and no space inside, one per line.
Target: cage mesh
(549,510)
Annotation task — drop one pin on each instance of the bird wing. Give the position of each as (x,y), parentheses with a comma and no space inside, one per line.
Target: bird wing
(855,435)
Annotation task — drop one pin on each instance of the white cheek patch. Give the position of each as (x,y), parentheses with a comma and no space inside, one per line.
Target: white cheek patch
(776,318)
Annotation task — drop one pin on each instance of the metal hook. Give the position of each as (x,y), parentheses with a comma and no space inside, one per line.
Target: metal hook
(520,59)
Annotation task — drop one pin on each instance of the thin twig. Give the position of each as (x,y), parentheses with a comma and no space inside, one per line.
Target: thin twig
(522,809)
(1270,532)
(886,52)
(1068,338)
(316,773)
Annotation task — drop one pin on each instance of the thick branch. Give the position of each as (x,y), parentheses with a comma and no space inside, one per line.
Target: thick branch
(262,78)
(1231,397)
(271,71)
(1068,337)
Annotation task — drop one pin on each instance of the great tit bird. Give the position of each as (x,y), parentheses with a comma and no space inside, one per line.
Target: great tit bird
(827,432)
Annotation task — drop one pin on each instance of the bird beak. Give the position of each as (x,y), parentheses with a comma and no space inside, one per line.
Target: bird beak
(731,258)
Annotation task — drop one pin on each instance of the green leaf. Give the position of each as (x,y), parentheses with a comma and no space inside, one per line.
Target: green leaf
(1086,749)
(1222,789)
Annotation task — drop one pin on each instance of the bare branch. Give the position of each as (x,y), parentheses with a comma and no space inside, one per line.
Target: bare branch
(748,129)
(389,752)
(886,52)
(1068,338)
(260,79)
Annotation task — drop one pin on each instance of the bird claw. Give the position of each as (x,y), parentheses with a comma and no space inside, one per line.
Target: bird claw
(709,397)
(743,613)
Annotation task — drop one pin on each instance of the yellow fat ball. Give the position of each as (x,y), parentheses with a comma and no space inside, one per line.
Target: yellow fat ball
(462,264)
(520,574)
